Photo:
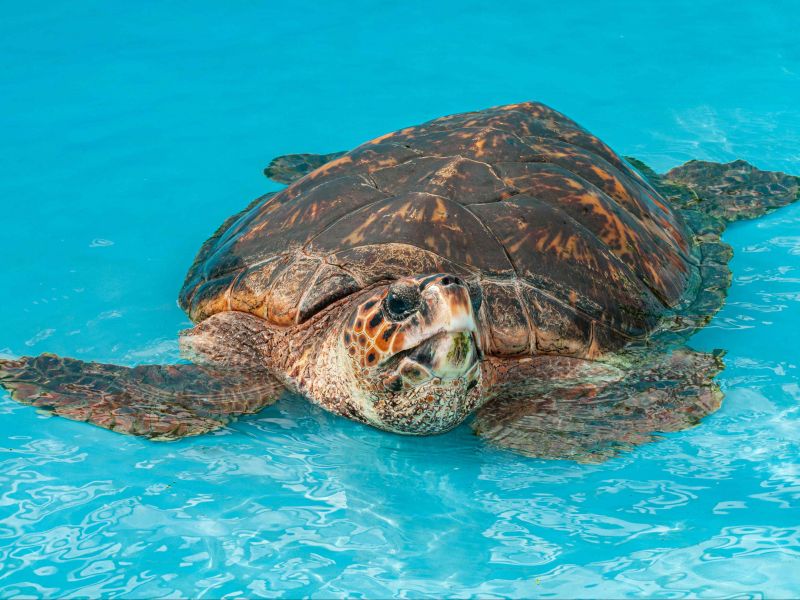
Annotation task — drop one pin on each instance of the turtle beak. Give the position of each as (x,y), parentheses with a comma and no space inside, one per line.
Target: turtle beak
(446,309)
(451,294)
(441,343)
(446,356)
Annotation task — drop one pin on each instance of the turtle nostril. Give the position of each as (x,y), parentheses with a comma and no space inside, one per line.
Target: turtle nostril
(450,280)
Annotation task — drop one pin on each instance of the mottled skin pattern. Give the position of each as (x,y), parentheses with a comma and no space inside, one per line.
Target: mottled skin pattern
(561,407)
(504,262)
(415,373)
(413,382)
(179,400)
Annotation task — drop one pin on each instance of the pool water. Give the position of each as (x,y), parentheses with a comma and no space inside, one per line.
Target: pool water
(131,130)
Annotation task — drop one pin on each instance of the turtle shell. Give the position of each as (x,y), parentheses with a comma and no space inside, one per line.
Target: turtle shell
(574,251)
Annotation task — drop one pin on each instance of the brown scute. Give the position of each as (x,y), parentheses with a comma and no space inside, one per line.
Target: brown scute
(580,138)
(520,196)
(620,186)
(526,119)
(553,252)
(210,298)
(476,143)
(517,122)
(331,284)
(461,179)
(509,332)
(198,271)
(645,247)
(306,216)
(364,159)
(388,261)
(251,289)
(563,128)
(432,223)
(287,288)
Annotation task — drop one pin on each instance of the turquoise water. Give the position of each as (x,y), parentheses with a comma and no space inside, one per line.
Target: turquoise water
(130,131)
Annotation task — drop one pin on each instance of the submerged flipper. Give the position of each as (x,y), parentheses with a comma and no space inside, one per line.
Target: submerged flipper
(161,402)
(722,192)
(588,419)
(710,195)
(291,167)
(733,191)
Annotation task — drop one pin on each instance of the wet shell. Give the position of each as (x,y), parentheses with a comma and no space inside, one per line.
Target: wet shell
(574,251)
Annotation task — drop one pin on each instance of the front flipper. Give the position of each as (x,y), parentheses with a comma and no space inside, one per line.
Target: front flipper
(161,402)
(291,167)
(586,419)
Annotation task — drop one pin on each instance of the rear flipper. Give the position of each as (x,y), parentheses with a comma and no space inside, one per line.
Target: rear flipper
(591,420)
(161,402)
(709,196)
(724,192)
(291,167)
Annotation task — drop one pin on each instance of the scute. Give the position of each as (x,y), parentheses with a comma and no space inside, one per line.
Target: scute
(575,252)
(553,252)
(654,256)
(511,332)
(387,261)
(424,221)
(461,179)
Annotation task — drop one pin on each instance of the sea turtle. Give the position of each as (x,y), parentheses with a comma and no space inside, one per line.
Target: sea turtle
(503,262)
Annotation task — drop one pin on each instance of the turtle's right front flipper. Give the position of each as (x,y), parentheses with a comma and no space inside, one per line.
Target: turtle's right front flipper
(588,412)
(161,402)
(291,167)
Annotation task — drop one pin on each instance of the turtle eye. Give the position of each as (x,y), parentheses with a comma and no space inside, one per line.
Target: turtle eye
(401,301)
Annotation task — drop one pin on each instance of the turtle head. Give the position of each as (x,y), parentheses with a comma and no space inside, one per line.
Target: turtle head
(411,347)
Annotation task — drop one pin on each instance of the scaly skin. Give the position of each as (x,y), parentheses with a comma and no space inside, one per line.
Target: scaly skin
(418,373)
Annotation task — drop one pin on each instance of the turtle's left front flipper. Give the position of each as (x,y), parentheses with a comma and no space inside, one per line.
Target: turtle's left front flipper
(161,402)
(291,167)
(589,416)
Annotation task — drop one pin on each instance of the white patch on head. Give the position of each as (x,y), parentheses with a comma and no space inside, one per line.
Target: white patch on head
(456,321)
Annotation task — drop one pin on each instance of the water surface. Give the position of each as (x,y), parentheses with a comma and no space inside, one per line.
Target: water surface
(130,131)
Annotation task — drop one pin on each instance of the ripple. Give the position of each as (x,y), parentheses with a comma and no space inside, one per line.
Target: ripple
(40,336)
(152,128)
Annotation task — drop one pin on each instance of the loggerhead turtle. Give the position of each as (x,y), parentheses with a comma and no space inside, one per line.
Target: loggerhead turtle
(504,262)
